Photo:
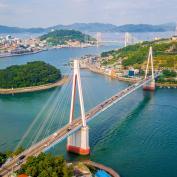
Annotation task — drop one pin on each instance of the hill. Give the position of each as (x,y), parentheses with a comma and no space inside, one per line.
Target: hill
(145,28)
(59,37)
(89,27)
(31,74)
(164,53)
(94,27)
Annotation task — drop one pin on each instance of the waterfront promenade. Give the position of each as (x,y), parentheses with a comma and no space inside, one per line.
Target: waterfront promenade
(97,70)
(102,167)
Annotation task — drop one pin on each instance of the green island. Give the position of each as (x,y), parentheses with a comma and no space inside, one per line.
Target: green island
(62,37)
(28,75)
(164,53)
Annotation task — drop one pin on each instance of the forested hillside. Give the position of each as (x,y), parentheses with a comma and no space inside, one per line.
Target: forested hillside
(60,37)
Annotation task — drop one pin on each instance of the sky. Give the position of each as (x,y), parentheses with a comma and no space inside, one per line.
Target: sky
(44,13)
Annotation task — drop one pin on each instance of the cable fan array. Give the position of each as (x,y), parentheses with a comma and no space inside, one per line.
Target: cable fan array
(53,115)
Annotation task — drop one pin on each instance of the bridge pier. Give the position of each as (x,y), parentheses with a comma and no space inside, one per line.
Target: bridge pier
(150,86)
(78,143)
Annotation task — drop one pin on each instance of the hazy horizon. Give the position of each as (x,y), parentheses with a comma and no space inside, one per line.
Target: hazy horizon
(45,13)
(86,23)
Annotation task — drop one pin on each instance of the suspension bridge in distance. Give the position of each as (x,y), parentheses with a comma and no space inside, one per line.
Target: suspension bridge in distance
(128,39)
(77,131)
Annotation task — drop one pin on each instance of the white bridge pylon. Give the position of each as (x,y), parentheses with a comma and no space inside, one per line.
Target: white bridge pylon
(79,141)
(130,39)
(98,38)
(151,85)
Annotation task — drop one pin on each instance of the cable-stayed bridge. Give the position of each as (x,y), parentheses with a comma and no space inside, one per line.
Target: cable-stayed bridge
(77,131)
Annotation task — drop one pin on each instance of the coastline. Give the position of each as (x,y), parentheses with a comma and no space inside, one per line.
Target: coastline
(166,85)
(22,54)
(102,167)
(34,88)
(94,69)
(42,50)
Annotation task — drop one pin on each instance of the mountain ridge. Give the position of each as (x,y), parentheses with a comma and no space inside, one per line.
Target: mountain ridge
(94,27)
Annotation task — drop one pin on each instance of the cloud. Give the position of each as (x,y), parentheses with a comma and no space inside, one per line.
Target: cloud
(52,12)
(3,6)
(79,1)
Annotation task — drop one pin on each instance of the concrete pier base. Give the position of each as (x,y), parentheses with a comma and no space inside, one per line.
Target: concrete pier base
(150,86)
(79,142)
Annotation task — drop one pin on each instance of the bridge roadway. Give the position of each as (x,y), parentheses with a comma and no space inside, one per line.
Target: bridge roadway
(45,144)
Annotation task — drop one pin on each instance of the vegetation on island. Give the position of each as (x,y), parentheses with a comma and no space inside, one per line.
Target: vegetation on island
(31,74)
(46,165)
(15,153)
(43,165)
(164,53)
(3,158)
(168,76)
(9,154)
(61,37)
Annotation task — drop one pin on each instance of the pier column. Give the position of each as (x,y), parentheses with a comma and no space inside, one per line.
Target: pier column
(79,142)
(150,86)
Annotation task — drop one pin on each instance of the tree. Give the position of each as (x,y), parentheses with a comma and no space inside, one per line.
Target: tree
(18,151)
(60,37)
(168,73)
(30,74)
(3,158)
(46,165)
